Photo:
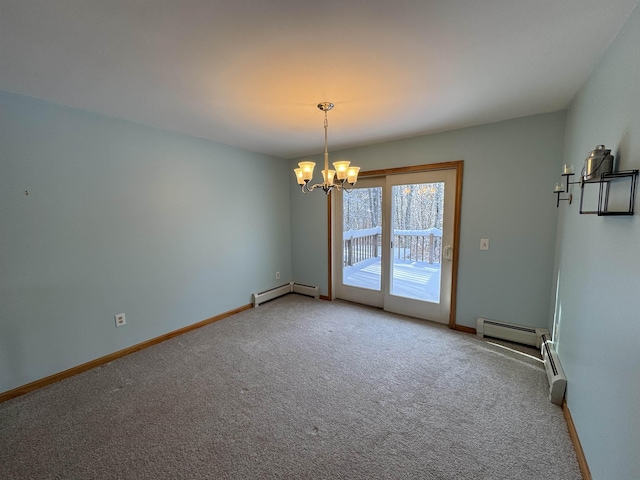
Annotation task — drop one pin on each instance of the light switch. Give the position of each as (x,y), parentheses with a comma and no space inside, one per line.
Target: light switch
(484,244)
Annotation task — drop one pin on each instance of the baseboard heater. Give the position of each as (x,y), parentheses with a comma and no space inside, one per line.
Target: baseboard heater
(510,332)
(555,374)
(291,287)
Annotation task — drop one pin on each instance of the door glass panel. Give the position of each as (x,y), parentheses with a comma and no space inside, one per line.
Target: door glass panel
(361,238)
(417,217)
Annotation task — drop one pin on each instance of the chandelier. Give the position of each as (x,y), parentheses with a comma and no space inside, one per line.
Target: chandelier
(345,174)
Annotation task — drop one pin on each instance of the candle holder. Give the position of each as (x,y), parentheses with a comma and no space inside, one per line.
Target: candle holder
(560,189)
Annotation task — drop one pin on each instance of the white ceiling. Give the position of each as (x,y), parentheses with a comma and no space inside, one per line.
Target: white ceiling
(249,73)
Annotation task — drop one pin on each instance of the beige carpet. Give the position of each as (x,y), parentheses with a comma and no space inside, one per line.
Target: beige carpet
(297,388)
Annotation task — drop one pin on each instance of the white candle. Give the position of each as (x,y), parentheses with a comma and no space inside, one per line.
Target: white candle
(558,188)
(567,169)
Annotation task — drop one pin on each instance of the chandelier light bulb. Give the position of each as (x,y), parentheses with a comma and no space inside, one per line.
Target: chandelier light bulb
(352,175)
(341,169)
(307,170)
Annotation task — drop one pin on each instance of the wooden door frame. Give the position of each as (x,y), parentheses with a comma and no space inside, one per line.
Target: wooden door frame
(458,166)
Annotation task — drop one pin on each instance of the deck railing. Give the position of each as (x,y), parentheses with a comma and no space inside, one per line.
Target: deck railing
(412,245)
(361,245)
(418,245)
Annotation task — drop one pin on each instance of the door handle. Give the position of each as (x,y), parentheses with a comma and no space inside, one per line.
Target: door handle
(447,252)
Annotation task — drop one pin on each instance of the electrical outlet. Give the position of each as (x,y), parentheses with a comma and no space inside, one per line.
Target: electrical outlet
(484,244)
(120,320)
(277,275)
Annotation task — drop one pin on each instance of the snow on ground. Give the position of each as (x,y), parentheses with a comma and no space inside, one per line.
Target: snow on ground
(419,280)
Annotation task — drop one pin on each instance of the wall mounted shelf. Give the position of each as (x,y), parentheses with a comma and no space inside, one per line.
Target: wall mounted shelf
(604,183)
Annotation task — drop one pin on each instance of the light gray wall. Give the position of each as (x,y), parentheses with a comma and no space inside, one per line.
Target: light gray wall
(510,170)
(598,306)
(124,218)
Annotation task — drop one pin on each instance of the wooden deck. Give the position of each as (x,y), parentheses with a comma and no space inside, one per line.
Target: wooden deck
(419,280)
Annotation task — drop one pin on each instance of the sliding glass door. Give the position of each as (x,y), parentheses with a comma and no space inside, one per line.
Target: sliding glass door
(394,235)
(359,245)
(421,217)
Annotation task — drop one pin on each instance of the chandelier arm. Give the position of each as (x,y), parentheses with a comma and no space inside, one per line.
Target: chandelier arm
(344,187)
(306,188)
